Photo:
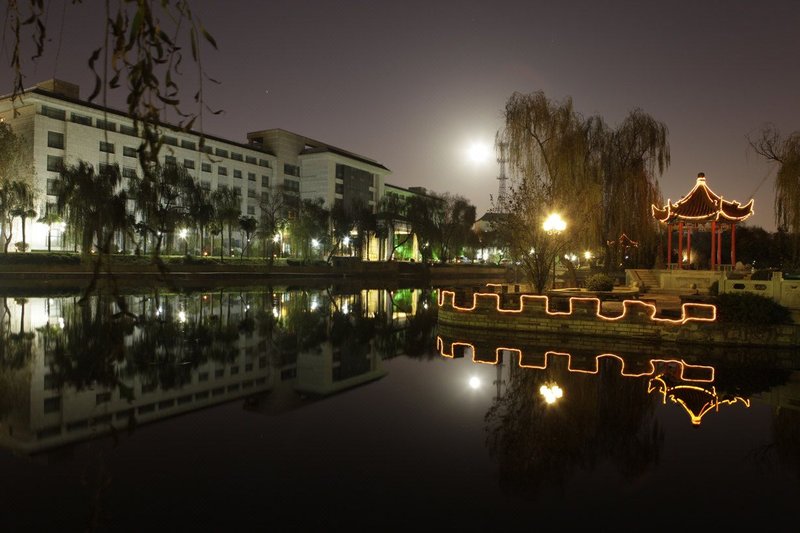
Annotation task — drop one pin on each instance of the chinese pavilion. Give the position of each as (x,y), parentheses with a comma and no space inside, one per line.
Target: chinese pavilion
(699,209)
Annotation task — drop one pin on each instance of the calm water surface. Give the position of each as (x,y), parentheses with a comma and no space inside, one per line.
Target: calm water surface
(309,409)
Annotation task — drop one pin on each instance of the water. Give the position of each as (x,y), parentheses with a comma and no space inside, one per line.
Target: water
(308,408)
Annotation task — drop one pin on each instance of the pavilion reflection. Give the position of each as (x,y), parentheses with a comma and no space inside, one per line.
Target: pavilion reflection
(72,370)
(700,380)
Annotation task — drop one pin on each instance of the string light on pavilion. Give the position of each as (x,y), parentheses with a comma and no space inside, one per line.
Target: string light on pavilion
(699,208)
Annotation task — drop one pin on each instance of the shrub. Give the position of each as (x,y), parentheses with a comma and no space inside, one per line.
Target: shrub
(752,309)
(600,282)
(713,289)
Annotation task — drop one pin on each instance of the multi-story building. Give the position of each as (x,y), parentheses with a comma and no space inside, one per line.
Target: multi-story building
(318,170)
(61,128)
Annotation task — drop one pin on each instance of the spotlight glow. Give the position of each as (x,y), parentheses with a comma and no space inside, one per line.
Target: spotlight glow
(474,383)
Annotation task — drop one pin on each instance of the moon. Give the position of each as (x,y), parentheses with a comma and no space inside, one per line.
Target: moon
(479,152)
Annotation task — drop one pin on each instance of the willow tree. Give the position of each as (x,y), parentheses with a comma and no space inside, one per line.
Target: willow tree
(552,154)
(91,205)
(16,170)
(633,156)
(602,181)
(785,152)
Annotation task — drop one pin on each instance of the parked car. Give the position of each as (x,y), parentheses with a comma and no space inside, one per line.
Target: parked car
(463,259)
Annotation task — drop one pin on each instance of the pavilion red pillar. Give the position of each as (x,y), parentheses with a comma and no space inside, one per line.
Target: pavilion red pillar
(669,244)
(680,245)
(689,244)
(719,245)
(733,243)
(713,242)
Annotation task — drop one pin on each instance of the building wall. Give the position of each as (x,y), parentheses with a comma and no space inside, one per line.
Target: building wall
(98,135)
(221,163)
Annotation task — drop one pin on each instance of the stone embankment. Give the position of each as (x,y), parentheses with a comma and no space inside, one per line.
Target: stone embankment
(696,323)
(200,274)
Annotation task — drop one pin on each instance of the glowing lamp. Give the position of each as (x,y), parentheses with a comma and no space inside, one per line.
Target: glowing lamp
(551,393)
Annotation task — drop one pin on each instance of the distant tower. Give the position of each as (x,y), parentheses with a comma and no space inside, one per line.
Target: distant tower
(501,190)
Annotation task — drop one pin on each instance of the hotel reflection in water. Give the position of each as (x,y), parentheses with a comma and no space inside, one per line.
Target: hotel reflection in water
(71,370)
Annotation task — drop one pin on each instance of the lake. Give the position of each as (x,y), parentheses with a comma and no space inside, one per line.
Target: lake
(314,407)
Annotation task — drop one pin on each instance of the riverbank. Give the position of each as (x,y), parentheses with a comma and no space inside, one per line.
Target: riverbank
(207,273)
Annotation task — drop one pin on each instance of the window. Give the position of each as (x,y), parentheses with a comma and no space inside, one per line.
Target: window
(251,193)
(52,112)
(202,376)
(172,141)
(106,147)
(220,152)
(219,373)
(51,186)
(52,405)
(105,124)
(188,163)
(128,151)
(205,185)
(236,157)
(251,176)
(55,163)
(128,172)
(222,171)
(55,140)
(127,130)
(188,144)
(292,185)
(250,159)
(170,160)
(237,174)
(339,188)
(205,167)
(80,119)
(251,210)
(265,181)
(208,149)
(291,170)
(102,168)
(264,163)
(237,191)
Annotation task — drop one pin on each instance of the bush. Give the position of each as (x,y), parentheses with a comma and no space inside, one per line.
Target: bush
(713,289)
(600,282)
(751,309)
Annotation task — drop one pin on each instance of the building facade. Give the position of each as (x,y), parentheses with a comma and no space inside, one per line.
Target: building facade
(59,128)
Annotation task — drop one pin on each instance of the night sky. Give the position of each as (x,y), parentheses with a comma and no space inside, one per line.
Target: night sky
(413,84)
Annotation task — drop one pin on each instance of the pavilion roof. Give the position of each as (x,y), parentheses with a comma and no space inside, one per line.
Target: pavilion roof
(701,204)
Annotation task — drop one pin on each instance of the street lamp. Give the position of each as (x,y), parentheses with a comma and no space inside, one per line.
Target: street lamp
(551,392)
(554,225)
(183,234)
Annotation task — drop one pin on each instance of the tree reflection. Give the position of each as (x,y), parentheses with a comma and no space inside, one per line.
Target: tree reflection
(539,444)
(16,347)
(90,348)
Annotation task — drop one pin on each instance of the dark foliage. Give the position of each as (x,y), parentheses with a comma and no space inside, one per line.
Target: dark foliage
(752,309)
(600,282)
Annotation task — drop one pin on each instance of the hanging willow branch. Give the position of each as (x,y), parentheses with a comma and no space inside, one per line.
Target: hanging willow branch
(142,50)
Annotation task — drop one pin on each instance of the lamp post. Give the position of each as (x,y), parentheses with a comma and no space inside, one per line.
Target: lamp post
(554,225)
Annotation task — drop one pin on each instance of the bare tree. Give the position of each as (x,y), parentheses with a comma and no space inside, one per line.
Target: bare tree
(785,152)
